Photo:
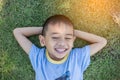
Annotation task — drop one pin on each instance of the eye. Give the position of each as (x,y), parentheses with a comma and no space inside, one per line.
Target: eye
(68,38)
(55,38)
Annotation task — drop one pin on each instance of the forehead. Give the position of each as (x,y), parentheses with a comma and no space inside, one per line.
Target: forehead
(60,28)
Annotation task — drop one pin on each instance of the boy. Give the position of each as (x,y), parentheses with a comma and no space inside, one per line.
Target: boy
(57,60)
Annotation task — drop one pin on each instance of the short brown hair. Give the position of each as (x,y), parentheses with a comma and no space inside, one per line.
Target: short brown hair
(55,19)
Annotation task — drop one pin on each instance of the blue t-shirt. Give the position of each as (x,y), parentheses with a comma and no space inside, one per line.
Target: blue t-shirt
(72,69)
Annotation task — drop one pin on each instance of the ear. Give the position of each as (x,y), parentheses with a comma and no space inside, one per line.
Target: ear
(42,40)
(74,37)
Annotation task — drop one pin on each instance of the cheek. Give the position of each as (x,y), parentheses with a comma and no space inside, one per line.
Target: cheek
(50,42)
(70,43)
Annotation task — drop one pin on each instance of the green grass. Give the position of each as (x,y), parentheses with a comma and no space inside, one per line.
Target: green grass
(86,16)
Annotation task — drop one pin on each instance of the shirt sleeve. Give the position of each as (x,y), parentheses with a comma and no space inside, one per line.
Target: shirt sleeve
(33,56)
(83,56)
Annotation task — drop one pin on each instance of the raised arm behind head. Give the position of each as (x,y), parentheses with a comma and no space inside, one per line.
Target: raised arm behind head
(21,35)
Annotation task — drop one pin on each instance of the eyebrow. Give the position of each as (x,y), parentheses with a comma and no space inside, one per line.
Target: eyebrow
(58,33)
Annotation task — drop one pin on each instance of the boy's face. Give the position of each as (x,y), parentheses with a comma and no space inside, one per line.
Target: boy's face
(58,40)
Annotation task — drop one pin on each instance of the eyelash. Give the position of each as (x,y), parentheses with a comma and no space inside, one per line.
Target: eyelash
(55,37)
(58,38)
(68,38)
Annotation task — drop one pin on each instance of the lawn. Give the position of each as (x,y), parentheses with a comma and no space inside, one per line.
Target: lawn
(88,15)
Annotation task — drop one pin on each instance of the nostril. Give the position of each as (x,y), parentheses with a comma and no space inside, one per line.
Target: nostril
(61,44)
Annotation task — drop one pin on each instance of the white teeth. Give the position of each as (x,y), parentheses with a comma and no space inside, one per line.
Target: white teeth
(60,50)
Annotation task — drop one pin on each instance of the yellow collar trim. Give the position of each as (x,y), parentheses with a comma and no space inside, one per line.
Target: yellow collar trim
(54,61)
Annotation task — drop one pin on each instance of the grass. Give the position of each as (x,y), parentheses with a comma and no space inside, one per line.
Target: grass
(87,15)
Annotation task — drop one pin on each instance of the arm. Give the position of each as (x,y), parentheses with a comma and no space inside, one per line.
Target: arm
(97,42)
(21,35)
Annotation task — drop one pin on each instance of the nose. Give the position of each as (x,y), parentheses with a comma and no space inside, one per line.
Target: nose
(61,43)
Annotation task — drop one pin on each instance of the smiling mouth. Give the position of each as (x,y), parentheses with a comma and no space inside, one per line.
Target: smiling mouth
(60,50)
